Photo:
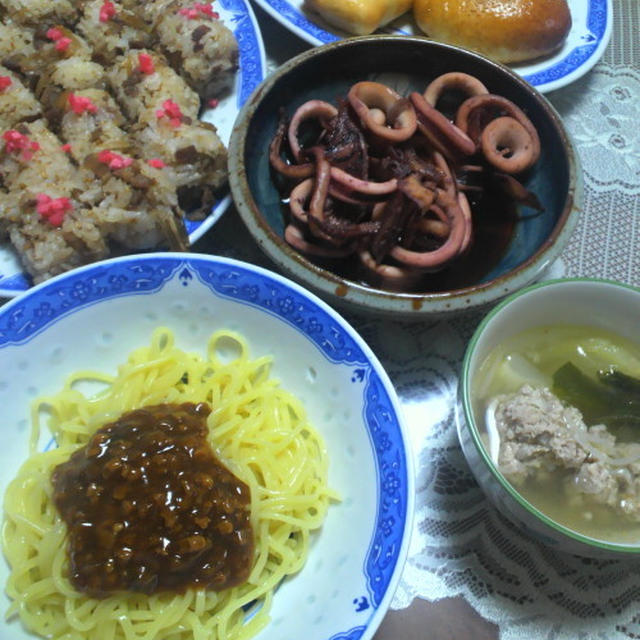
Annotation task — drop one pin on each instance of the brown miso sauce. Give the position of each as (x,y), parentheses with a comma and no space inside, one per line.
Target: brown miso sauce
(150,508)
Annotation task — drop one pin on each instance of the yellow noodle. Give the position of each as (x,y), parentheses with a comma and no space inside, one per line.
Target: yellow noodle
(258,429)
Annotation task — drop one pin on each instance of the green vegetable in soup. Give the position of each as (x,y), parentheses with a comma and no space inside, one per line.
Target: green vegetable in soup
(620,381)
(577,389)
(612,398)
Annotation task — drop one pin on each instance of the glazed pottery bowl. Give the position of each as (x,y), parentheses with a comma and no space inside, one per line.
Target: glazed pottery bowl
(596,304)
(505,254)
(92,318)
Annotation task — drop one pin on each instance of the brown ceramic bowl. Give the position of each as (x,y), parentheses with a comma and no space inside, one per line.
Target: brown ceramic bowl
(500,261)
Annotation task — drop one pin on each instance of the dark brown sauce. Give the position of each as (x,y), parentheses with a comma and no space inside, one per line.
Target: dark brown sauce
(494,219)
(150,508)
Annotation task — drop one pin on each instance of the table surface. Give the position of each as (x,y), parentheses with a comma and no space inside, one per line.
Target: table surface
(469,573)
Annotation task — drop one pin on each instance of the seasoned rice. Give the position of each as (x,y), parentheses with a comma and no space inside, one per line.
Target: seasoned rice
(37,12)
(115,36)
(138,92)
(17,103)
(199,47)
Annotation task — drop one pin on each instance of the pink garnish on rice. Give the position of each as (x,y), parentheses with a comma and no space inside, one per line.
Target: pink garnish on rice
(107,11)
(54,34)
(80,104)
(172,111)
(16,142)
(198,10)
(156,163)
(53,209)
(63,44)
(66,148)
(145,64)
(5,83)
(113,160)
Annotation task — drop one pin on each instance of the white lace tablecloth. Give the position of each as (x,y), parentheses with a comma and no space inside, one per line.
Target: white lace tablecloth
(461,546)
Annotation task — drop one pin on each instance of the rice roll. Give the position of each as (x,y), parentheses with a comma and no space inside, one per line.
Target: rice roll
(15,39)
(137,204)
(74,74)
(17,103)
(112,29)
(53,233)
(90,121)
(31,156)
(64,76)
(194,155)
(142,80)
(42,212)
(50,46)
(57,42)
(142,229)
(38,12)
(150,11)
(198,46)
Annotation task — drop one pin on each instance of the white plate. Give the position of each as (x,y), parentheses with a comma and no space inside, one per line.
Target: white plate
(586,42)
(74,321)
(239,17)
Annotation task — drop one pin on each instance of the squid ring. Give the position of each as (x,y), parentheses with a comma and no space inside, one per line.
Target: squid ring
(440,131)
(371,99)
(474,111)
(507,145)
(455,80)
(310,109)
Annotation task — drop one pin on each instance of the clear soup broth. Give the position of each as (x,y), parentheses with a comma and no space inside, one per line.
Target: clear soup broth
(573,361)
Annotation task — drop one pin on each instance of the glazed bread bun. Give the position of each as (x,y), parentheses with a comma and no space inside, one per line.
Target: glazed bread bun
(358,17)
(503,30)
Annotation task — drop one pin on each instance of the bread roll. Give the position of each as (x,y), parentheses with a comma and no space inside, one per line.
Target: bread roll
(358,17)
(504,30)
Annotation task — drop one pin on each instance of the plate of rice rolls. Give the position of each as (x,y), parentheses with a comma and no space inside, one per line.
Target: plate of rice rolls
(114,121)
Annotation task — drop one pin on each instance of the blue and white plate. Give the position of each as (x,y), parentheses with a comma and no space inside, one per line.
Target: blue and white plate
(94,316)
(587,40)
(239,17)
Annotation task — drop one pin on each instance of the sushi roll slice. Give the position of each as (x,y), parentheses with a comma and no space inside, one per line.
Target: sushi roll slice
(17,103)
(150,11)
(42,212)
(137,203)
(64,76)
(89,121)
(194,155)
(112,29)
(58,43)
(142,80)
(198,46)
(53,233)
(15,39)
(31,156)
(38,12)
